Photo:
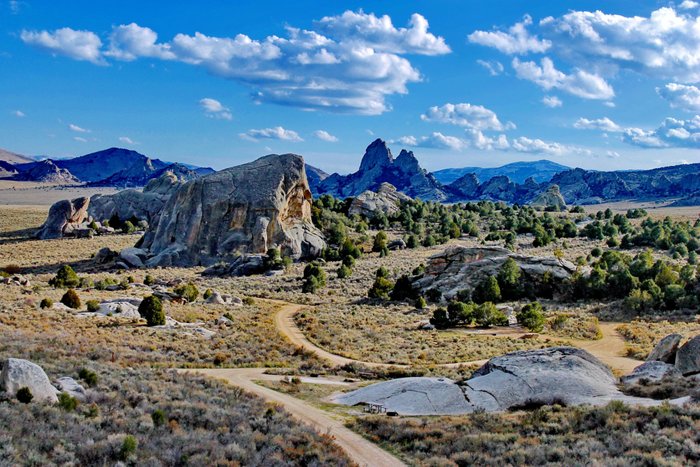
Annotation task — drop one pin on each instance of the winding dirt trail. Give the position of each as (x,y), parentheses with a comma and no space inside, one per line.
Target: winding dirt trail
(610,349)
(360,450)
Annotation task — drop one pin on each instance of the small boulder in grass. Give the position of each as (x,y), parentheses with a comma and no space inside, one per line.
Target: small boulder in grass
(18,373)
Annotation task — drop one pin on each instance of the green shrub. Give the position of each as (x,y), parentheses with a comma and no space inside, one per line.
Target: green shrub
(89,376)
(380,242)
(441,318)
(71,299)
(128,227)
(344,272)
(488,315)
(149,280)
(65,278)
(403,289)
(151,309)
(420,303)
(67,402)
(24,395)
(158,417)
(382,286)
(128,447)
(531,317)
(187,291)
(46,303)
(207,293)
(250,301)
(487,290)
(92,306)
(314,278)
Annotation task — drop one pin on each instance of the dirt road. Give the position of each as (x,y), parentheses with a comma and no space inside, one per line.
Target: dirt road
(610,349)
(360,450)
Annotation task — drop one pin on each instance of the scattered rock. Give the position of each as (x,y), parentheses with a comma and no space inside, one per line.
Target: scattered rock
(688,357)
(64,216)
(133,257)
(665,350)
(224,321)
(244,265)
(72,387)
(651,371)
(18,373)
(397,244)
(105,255)
(120,308)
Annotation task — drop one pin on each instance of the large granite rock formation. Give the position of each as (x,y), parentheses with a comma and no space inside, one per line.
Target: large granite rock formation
(550,199)
(18,373)
(563,375)
(64,216)
(378,166)
(385,200)
(242,210)
(461,268)
(665,350)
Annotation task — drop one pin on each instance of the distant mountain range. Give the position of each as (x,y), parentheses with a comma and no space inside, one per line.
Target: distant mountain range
(111,167)
(540,171)
(521,182)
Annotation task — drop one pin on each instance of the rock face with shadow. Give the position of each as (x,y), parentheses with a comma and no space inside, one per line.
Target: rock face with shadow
(64,216)
(558,375)
(242,210)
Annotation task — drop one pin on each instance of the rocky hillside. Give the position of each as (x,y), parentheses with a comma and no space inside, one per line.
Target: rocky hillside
(379,166)
(47,171)
(12,158)
(7,170)
(315,176)
(540,171)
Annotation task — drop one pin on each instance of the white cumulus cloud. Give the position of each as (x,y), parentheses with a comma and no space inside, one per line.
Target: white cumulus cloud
(325,136)
(78,45)
(671,133)
(579,83)
(350,63)
(681,96)
(277,132)
(603,124)
(436,140)
(127,140)
(552,101)
(19,114)
(215,109)
(466,115)
(494,67)
(517,40)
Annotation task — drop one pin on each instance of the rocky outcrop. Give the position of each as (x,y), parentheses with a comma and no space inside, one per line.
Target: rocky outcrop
(558,375)
(242,210)
(144,205)
(315,176)
(18,373)
(550,199)
(71,387)
(379,166)
(461,268)
(465,187)
(48,172)
(651,371)
(688,357)
(64,216)
(665,350)
(385,200)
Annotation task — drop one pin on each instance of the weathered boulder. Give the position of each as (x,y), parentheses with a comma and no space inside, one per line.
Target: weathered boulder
(71,387)
(463,268)
(398,244)
(665,350)
(244,265)
(18,373)
(242,210)
(385,200)
(563,375)
(688,357)
(118,308)
(133,257)
(411,396)
(651,371)
(64,215)
(551,198)
(105,255)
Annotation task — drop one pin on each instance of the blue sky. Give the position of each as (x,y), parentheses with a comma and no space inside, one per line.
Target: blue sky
(595,84)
